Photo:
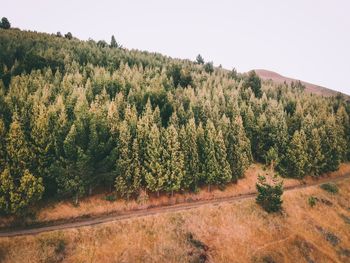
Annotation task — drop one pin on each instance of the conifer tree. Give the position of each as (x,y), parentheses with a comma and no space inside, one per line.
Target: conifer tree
(331,145)
(224,172)
(71,170)
(135,168)
(123,183)
(29,192)
(154,165)
(6,191)
(315,155)
(42,146)
(190,149)
(173,160)
(17,198)
(211,164)
(239,150)
(18,153)
(201,153)
(2,145)
(114,43)
(297,155)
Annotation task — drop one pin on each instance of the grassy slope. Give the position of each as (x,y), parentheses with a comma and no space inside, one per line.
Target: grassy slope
(237,232)
(96,205)
(311,88)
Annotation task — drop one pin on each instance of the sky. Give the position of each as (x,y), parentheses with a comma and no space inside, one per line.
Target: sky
(303,39)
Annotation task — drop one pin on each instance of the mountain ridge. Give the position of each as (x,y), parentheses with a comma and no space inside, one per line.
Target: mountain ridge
(309,87)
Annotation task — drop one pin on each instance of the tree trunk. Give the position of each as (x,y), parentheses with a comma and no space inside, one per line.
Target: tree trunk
(172,193)
(90,190)
(76,199)
(208,187)
(158,193)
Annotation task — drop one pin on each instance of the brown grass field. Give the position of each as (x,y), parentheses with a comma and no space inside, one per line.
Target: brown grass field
(230,232)
(96,205)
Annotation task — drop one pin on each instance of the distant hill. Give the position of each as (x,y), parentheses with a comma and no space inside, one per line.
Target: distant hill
(311,88)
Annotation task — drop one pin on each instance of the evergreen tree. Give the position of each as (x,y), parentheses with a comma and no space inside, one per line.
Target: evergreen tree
(5,24)
(173,160)
(224,172)
(155,170)
(190,150)
(201,153)
(211,164)
(114,43)
(6,191)
(16,199)
(124,180)
(315,155)
(297,156)
(29,192)
(253,81)
(42,147)
(199,60)
(239,150)
(18,153)
(331,145)
(269,195)
(2,145)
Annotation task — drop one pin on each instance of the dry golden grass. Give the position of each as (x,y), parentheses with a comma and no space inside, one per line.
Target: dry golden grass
(231,232)
(97,205)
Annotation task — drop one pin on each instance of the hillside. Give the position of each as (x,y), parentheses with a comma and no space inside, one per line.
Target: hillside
(310,88)
(228,232)
(90,129)
(77,117)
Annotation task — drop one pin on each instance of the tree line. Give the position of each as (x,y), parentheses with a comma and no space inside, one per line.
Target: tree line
(78,115)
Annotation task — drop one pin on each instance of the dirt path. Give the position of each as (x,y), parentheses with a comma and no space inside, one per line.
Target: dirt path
(150,211)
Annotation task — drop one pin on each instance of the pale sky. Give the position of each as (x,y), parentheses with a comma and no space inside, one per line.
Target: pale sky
(304,39)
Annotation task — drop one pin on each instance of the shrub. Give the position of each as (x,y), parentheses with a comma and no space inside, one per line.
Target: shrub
(331,188)
(269,195)
(312,201)
(111,198)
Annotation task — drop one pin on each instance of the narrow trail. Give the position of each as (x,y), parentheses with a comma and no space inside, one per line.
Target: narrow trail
(150,211)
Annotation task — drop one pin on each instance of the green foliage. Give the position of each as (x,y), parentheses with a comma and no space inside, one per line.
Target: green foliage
(271,157)
(180,76)
(269,195)
(199,59)
(5,24)
(209,67)
(114,43)
(312,201)
(330,187)
(173,160)
(297,156)
(16,198)
(68,35)
(79,115)
(253,81)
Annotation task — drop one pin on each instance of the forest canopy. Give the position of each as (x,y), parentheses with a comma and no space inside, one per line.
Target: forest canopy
(77,115)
